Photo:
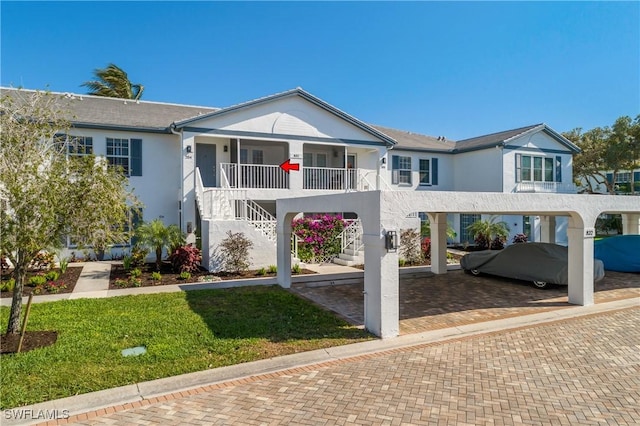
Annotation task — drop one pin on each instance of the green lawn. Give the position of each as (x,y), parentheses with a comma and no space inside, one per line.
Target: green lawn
(183,332)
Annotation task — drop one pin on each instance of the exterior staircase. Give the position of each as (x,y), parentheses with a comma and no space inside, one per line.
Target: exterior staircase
(352,244)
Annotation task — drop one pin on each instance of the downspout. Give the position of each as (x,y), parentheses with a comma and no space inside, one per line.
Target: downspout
(172,129)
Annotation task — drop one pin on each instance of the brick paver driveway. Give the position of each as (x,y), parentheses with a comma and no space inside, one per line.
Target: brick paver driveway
(430,302)
(583,370)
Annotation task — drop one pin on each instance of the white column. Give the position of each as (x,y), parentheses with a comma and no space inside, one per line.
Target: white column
(188,187)
(438,224)
(630,224)
(381,294)
(580,263)
(548,229)
(283,231)
(296,178)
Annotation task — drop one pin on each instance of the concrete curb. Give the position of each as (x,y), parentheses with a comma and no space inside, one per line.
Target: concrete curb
(137,392)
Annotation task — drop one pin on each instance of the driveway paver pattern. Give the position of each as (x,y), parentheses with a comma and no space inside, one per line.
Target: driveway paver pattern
(583,370)
(431,302)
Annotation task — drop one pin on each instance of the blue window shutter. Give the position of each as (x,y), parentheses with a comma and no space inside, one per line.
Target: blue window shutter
(636,176)
(395,164)
(136,157)
(610,177)
(518,167)
(558,168)
(434,171)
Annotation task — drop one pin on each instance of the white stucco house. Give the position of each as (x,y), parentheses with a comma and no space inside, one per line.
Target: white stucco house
(210,170)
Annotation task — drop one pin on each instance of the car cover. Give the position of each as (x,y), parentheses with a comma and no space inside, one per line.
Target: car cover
(620,253)
(527,261)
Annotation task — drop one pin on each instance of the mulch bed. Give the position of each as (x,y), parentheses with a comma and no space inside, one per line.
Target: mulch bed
(169,277)
(70,278)
(32,340)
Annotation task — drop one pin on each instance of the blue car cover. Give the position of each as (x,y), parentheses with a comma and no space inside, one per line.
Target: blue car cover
(620,253)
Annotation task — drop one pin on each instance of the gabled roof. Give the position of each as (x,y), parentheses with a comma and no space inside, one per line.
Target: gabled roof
(289,93)
(416,142)
(103,112)
(503,138)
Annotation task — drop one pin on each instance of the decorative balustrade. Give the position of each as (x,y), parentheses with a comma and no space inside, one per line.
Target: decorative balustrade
(546,187)
(255,176)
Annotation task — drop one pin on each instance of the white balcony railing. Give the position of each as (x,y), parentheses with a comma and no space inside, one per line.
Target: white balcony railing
(546,187)
(328,178)
(255,176)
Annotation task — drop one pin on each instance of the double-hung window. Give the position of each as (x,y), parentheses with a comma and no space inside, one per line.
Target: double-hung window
(401,170)
(126,153)
(538,169)
(425,172)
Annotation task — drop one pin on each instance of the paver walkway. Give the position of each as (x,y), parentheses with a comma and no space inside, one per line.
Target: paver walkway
(582,370)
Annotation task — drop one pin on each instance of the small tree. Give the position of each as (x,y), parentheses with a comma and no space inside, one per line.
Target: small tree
(486,231)
(156,236)
(45,194)
(235,252)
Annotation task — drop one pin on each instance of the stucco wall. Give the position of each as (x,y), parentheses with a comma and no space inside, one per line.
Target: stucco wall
(478,171)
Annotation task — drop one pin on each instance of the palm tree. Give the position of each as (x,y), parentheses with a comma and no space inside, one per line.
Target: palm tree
(113,82)
(156,236)
(488,230)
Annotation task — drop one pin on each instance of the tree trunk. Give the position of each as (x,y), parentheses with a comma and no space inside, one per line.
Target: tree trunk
(16,302)
(158,258)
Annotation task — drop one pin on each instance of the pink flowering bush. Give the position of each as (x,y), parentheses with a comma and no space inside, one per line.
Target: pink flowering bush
(317,236)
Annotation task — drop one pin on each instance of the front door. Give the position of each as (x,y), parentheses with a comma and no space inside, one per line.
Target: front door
(206,162)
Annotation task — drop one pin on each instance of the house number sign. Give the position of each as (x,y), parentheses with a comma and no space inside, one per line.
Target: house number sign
(589,232)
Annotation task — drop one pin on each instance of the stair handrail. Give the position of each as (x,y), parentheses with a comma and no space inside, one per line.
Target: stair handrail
(351,236)
(200,202)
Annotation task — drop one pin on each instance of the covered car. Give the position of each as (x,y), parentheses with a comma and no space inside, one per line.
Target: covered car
(619,253)
(541,263)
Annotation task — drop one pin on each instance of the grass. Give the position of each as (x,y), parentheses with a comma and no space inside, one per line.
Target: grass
(183,332)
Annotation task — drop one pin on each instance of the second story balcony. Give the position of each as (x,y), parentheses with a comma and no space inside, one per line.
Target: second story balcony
(546,187)
(263,176)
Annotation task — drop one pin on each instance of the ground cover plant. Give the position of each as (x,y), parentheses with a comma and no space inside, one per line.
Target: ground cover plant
(182,332)
(42,282)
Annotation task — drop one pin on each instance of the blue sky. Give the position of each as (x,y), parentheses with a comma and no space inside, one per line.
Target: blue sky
(440,68)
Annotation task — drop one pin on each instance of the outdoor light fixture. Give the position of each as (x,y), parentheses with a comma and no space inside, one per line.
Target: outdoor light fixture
(391,241)
(225,148)
(384,160)
(188,149)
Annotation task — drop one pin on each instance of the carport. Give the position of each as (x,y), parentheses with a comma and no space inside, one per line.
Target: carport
(379,210)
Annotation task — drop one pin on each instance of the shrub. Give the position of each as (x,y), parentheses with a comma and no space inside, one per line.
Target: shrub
(127,262)
(185,275)
(318,236)
(485,231)
(156,276)
(498,243)
(64,264)
(43,260)
(519,238)
(426,248)
(186,259)
(135,282)
(410,246)
(138,256)
(8,285)
(273,269)
(296,268)
(37,280)
(121,283)
(234,251)
(260,272)
(53,287)
(52,275)
(135,273)
(402,262)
